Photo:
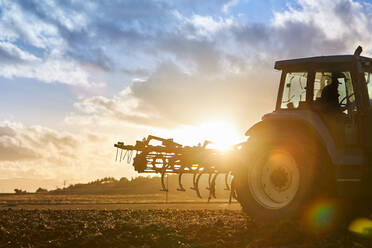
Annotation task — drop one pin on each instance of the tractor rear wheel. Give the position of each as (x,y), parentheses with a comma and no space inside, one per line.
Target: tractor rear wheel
(278,176)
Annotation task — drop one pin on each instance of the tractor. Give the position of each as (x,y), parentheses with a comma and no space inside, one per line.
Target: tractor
(316,143)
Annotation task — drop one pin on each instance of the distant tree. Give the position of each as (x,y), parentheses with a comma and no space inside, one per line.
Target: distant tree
(41,190)
(19,191)
(123,180)
(110,185)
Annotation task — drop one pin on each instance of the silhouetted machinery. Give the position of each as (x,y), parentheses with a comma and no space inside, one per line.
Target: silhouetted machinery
(171,157)
(317,142)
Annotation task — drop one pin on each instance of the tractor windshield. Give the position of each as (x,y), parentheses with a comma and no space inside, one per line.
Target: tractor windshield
(294,92)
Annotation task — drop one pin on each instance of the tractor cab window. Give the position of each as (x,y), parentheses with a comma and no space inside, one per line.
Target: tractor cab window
(368,76)
(294,92)
(333,91)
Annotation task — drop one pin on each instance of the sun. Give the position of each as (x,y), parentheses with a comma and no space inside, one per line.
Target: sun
(222,134)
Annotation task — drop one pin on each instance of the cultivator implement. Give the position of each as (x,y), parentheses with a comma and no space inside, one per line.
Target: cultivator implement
(169,157)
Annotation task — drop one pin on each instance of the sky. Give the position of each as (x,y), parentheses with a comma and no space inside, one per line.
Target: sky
(77,76)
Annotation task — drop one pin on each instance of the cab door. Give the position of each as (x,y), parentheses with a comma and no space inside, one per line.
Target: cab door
(341,118)
(365,92)
(366,111)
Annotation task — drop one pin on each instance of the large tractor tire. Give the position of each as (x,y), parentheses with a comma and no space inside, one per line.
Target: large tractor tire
(278,176)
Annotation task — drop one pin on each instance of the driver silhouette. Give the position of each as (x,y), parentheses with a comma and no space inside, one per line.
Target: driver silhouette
(329,96)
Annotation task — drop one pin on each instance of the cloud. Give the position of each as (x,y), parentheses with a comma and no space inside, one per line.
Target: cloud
(227,6)
(64,37)
(19,143)
(103,111)
(340,25)
(204,26)
(47,154)
(32,48)
(11,151)
(221,67)
(67,36)
(170,98)
(10,54)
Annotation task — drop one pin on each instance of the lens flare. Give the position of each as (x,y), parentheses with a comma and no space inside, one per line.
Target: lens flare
(322,216)
(361,226)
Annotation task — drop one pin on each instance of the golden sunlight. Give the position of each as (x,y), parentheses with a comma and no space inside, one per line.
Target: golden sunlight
(222,134)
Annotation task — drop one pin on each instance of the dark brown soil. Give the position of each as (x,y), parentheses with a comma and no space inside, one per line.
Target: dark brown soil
(158,228)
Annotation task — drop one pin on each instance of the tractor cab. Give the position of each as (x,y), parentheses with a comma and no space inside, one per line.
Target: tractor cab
(337,89)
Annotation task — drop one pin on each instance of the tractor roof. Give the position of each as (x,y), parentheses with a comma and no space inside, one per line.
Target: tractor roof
(321,60)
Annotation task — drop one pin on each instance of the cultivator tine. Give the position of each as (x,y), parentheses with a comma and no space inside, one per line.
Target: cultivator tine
(163,187)
(227,187)
(212,188)
(232,190)
(163,172)
(193,181)
(117,151)
(214,185)
(209,181)
(181,188)
(121,154)
(196,184)
(130,155)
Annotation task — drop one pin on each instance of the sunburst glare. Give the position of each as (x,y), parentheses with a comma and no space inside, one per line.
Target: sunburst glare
(222,134)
